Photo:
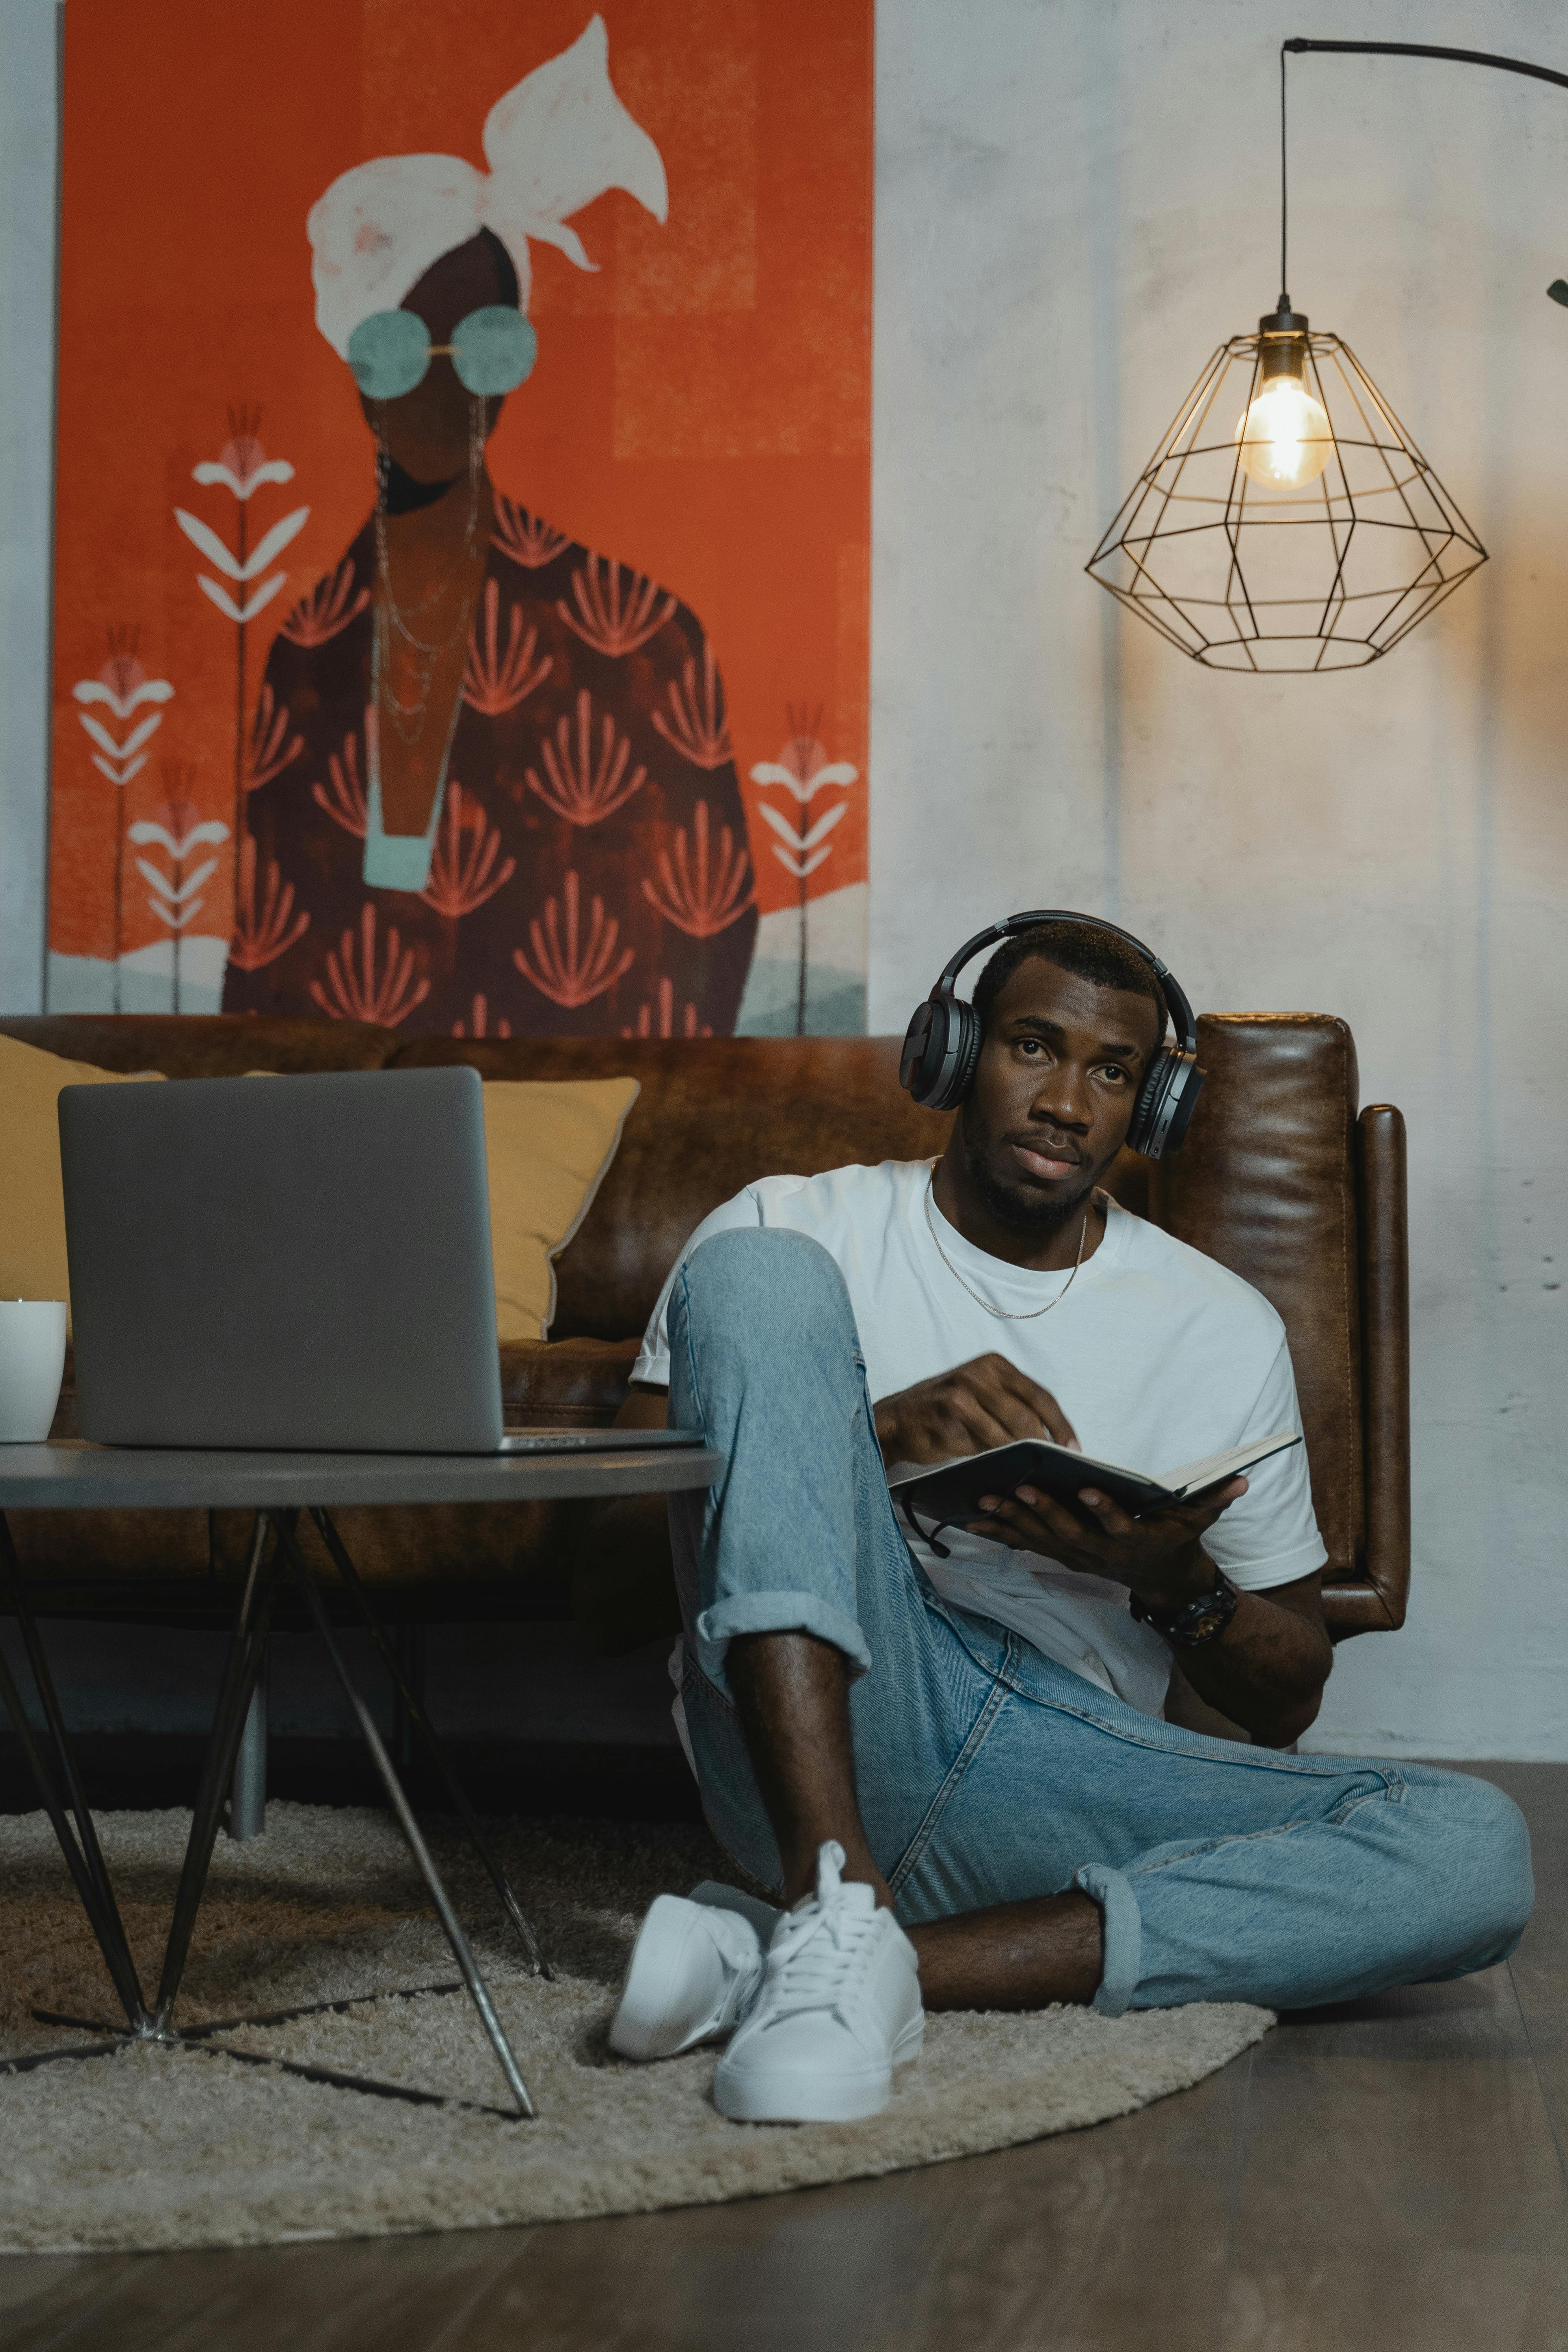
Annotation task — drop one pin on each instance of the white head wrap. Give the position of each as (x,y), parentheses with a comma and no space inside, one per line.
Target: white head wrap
(554,143)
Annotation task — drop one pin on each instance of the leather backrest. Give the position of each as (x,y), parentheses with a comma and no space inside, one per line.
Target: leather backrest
(714,1113)
(1266,1182)
(203,1045)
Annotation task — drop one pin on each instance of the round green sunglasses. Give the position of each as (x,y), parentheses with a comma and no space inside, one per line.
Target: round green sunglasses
(492,350)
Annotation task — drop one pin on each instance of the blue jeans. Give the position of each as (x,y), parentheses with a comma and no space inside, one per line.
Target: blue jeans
(986,1772)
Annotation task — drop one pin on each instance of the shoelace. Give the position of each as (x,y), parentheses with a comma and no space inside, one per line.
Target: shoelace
(820,1958)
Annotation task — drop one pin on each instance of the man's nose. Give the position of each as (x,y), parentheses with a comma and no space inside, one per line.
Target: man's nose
(1061,1099)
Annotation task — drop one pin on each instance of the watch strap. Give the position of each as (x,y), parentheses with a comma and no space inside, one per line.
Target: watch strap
(1199,1621)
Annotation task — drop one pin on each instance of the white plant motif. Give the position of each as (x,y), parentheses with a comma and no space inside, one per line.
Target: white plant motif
(802,852)
(122,686)
(208,543)
(247,473)
(175,901)
(803,769)
(242,467)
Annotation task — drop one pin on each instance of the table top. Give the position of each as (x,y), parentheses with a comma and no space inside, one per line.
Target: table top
(73,1476)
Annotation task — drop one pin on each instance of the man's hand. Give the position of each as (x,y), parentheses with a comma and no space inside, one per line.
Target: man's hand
(1159,1556)
(1265,1672)
(987,1402)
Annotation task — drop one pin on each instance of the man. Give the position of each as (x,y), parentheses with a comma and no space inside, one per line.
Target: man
(975,1747)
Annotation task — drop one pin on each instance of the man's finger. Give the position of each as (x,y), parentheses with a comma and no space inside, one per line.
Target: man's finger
(1007,1390)
(1042,1404)
(1021,1530)
(1106,1514)
(1205,1512)
(1061,1524)
(987,1424)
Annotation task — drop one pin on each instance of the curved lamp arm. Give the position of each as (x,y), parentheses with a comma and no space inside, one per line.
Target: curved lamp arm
(1302,47)
(1298,48)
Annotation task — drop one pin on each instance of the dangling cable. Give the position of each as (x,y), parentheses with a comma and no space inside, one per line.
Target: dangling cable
(1284,186)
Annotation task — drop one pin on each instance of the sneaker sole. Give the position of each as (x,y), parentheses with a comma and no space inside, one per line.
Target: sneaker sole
(795,2097)
(640,2027)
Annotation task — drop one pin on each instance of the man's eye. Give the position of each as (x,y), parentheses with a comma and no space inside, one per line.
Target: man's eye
(1114,1071)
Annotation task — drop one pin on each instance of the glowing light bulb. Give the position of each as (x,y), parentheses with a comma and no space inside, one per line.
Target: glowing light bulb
(1284,437)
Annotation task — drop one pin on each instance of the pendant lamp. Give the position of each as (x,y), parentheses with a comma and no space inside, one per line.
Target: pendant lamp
(1288,520)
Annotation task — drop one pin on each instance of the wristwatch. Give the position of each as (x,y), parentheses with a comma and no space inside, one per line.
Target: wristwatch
(1200,1621)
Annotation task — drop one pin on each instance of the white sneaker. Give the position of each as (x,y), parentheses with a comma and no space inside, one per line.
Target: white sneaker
(839,2009)
(696,1962)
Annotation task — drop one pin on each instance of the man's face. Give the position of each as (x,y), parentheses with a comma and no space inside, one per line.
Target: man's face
(1054,1091)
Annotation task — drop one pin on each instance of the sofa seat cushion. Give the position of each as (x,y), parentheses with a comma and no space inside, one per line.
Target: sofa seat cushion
(565,1383)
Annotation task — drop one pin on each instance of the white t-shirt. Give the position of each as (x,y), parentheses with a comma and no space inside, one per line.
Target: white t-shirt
(1158,1357)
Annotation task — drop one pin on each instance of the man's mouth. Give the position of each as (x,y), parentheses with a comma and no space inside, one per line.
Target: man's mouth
(1050,1163)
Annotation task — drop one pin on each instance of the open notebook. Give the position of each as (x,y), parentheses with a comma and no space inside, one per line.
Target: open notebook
(949,1496)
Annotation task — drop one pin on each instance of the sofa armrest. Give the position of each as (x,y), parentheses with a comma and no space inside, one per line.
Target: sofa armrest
(1385,1388)
(565,1383)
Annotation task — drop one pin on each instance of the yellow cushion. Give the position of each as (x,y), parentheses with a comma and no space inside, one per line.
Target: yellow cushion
(547,1144)
(32,1207)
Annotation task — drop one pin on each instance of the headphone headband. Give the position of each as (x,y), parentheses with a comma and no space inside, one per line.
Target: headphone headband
(1010,927)
(942,1046)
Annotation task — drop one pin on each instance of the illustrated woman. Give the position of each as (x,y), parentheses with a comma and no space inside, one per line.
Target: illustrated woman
(513,808)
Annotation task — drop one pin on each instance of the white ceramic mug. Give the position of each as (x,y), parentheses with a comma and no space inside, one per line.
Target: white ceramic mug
(32,1361)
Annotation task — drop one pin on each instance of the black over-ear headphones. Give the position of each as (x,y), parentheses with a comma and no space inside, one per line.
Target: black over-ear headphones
(941,1045)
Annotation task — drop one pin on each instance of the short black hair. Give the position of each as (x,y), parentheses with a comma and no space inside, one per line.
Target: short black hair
(1089,951)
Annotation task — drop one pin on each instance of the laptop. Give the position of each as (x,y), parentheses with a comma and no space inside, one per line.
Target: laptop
(300,1263)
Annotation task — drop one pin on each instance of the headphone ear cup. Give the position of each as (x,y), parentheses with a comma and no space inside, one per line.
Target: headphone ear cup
(1181,1100)
(941,1048)
(965,1057)
(915,1052)
(1166,1102)
(1145,1110)
(962,1054)
(925,1064)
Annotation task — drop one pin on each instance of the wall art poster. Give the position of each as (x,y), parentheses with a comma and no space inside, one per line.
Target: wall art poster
(461,553)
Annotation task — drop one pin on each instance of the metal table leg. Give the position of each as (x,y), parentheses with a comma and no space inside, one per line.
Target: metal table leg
(248,1790)
(84,1857)
(478,1990)
(419,1722)
(242,1669)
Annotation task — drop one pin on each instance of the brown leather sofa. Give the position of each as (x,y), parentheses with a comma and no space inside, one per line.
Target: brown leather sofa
(1280,1178)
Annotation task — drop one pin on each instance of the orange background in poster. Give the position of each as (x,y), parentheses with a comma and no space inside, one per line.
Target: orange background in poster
(701,407)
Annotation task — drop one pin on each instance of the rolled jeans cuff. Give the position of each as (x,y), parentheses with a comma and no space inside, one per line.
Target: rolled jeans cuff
(1123,1935)
(775,1612)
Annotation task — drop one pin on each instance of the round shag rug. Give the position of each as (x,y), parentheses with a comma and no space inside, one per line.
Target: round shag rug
(160,2148)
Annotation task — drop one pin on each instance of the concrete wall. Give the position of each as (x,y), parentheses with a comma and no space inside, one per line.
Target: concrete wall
(1076,204)
(1077,201)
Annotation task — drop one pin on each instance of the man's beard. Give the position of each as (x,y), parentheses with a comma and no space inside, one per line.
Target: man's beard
(1017,1205)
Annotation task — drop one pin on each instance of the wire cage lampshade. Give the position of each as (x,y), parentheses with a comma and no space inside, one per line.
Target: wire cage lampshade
(1287,521)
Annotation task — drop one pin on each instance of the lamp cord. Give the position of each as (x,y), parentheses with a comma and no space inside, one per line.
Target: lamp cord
(1284,188)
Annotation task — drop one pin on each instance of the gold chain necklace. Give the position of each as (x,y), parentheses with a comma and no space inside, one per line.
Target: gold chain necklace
(1001,1313)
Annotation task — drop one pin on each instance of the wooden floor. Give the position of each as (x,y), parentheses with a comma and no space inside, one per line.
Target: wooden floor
(1390,2176)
